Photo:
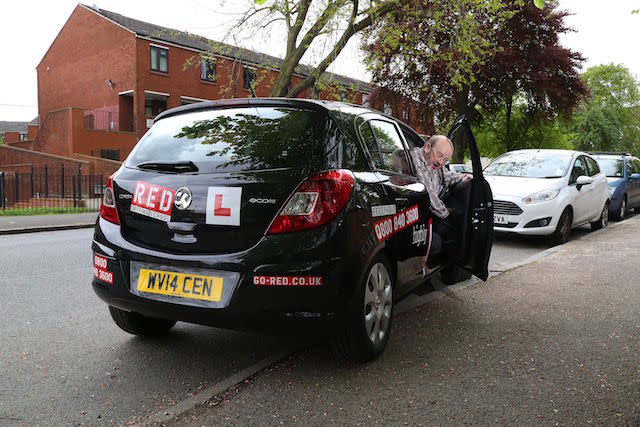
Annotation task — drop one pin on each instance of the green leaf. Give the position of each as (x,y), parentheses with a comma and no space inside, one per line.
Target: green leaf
(539,3)
(259,2)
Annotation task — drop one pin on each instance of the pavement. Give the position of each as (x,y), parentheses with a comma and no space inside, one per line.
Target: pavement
(35,223)
(552,342)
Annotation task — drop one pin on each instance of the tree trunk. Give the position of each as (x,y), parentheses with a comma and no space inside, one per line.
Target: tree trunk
(459,144)
(507,137)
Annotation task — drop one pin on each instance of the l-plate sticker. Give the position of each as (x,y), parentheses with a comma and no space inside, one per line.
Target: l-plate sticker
(223,205)
(389,226)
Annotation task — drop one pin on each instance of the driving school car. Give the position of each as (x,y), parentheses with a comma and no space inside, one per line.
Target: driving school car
(228,213)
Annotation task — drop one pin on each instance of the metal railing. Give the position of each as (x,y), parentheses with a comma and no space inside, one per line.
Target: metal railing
(101,120)
(44,192)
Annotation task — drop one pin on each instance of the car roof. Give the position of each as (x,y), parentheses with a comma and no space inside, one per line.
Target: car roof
(619,156)
(549,150)
(320,105)
(610,154)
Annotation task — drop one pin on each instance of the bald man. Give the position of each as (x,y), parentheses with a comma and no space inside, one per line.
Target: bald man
(430,161)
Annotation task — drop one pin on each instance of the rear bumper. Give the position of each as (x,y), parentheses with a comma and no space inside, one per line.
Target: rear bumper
(317,256)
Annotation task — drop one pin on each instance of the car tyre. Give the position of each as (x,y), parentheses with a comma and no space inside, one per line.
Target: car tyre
(137,324)
(622,211)
(363,331)
(453,274)
(603,220)
(563,229)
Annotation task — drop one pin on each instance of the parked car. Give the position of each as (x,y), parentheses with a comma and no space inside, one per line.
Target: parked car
(250,210)
(623,174)
(547,192)
(460,168)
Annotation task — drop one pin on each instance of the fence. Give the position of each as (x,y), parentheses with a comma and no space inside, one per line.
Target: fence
(43,191)
(101,120)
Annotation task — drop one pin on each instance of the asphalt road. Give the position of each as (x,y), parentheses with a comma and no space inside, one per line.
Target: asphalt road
(63,361)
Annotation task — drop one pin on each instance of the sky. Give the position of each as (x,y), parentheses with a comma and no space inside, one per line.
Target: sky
(605,32)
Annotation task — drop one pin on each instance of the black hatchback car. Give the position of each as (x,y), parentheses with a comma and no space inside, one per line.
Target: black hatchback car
(246,210)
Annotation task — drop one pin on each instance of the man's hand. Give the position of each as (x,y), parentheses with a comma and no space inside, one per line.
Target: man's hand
(467,177)
(451,211)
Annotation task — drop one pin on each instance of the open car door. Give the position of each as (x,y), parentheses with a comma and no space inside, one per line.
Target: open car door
(473,201)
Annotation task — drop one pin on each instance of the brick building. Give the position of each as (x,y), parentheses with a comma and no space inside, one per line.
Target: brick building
(122,72)
(106,76)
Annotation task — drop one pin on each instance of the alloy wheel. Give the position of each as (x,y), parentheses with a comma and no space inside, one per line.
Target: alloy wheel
(623,209)
(378,300)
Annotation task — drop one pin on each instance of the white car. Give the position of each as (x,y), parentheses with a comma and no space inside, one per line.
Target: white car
(547,192)
(460,168)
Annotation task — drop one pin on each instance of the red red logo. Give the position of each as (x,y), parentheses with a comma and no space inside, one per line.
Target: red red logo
(153,201)
(287,280)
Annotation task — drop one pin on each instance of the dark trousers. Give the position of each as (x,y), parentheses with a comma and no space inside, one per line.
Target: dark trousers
(442,232)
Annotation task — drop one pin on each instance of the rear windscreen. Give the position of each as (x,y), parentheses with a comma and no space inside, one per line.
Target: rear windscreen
(237,139)
(613,168)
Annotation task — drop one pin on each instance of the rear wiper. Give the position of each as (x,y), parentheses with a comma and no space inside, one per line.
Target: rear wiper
(185,166)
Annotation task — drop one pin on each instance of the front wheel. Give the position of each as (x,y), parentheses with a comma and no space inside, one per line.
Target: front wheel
(603,221)
(561,234)
(137,324)
(622,212)
(364,330)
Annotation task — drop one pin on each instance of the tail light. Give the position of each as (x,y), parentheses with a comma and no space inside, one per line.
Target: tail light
(108,206)
(318,200)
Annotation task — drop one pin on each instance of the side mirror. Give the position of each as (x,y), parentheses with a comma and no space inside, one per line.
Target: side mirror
(635,175)
(583,180)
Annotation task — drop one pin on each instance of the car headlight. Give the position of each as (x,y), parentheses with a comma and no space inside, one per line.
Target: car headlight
(612,190)
(541,196)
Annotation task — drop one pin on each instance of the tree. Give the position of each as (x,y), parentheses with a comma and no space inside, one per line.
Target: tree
(333,22)
(307,22)
(532,69)
(608,121)
(519,64)
(429,52)
(490,135)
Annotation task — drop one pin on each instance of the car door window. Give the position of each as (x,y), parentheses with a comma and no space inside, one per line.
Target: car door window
(636,164)
(393,156)
(579,169)
(630,167)
(592,166)
(372,146)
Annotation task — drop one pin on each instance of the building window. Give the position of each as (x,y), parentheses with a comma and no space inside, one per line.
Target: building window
(405,114)
(153,107)
(110,154)
(248,78)
(159,59)
(315,92)
(342,95)
(23,136)
(208,70)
